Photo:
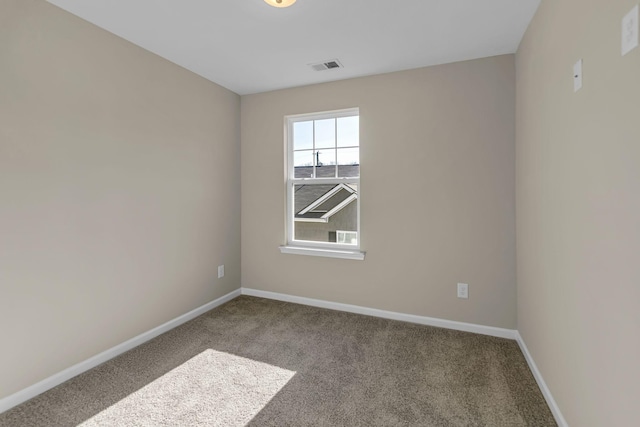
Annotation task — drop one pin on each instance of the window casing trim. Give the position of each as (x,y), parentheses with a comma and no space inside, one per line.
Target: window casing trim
(327,253)
(299,246)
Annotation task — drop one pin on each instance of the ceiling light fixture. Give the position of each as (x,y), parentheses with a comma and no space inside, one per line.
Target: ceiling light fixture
(280,3)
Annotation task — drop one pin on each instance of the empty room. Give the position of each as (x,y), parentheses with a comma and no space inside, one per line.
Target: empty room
(319,213)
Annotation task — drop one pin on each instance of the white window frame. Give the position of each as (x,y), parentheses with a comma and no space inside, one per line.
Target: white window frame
(305,247)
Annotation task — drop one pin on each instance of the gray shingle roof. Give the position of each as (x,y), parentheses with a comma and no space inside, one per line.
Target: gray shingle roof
(327,171)
(333,201)
(308,194)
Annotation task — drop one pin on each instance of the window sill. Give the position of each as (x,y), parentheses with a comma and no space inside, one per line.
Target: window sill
(327,253)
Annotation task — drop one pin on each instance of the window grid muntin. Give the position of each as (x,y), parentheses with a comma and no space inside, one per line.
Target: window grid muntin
(292,180)
(314,150)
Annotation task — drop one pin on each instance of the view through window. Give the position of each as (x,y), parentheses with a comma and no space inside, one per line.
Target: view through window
(324,179)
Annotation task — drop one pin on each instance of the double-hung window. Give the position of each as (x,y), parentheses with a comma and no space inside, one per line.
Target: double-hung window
(323,184)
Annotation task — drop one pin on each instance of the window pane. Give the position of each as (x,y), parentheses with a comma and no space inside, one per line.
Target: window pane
(348,162)
(326,171)
(303,135)
(348,131)
(325,133)
(321,210)
(325,161)
(347,237)
(325,157)
(303,164)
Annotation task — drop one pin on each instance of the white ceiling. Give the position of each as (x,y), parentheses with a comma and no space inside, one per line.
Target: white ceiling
(248,46)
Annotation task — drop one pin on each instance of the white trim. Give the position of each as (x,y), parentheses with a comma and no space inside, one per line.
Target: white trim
(346,180)
(347,112)
(323,220)
(327,246)
(291,182)
(411,318)
(62,376)
(57,379)
(553,406)
(327,253)
(429,321)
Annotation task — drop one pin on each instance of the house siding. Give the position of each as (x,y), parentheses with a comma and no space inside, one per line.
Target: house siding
(345,220)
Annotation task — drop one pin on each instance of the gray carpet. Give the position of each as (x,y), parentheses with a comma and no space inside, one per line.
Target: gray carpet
(258,362)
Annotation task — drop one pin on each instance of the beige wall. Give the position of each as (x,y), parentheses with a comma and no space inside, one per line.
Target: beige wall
(119,191)
(438,203)
(578,210)
(117,198)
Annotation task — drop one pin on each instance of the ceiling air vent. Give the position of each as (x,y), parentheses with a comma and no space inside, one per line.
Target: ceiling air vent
(326,65)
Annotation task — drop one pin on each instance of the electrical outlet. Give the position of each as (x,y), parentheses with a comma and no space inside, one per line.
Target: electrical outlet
(577,76)
(220,271)
(630,31)
(463,290)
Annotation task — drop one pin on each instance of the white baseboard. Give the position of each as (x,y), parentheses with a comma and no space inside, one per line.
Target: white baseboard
(57,379)
(411,318)
(555,410)
(430,321)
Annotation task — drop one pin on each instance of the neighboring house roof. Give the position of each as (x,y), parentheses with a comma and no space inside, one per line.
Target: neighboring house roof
(328,171)
(318,203)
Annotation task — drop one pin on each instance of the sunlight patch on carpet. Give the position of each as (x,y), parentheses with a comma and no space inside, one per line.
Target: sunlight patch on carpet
(213,388)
